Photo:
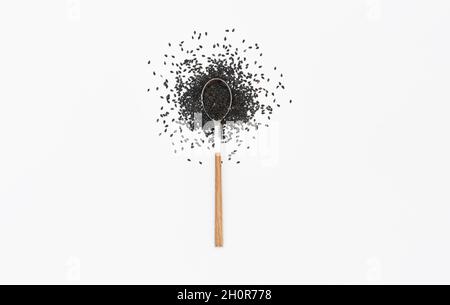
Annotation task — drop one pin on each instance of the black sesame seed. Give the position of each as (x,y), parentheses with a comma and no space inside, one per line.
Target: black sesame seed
(181,86)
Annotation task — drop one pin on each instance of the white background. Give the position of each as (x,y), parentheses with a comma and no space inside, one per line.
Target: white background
(359,192)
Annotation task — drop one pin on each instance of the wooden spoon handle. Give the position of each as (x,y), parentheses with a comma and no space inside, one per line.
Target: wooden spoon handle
(218,206)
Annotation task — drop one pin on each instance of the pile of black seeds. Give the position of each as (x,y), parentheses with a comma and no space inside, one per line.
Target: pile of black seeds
(184,71)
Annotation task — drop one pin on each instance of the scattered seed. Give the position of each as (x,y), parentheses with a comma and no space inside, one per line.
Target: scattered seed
(181,86)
